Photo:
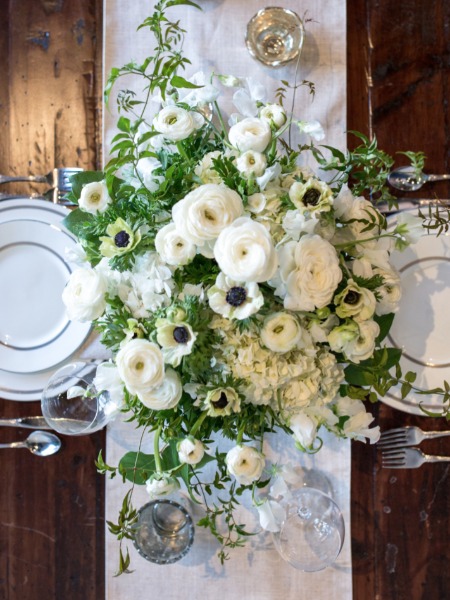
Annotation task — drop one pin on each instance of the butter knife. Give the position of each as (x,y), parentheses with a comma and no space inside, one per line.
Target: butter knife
(25,422)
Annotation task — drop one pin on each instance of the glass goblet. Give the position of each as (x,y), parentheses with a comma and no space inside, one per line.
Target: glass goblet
(164,531)
(275,36)
(72,405)
(311,536)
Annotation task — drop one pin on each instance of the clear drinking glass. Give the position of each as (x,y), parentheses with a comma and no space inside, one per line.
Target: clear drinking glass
(275,36)
(312,534)
(71,404)
(164,531)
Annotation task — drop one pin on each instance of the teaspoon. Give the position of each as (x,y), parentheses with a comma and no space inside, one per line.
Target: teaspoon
(408,179)
(40,443)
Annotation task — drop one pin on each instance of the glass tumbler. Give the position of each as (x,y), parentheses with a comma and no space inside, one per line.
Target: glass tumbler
(275,36)
(71,404)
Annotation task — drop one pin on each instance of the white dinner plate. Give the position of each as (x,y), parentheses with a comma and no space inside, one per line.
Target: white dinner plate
(421,326)
(35,334)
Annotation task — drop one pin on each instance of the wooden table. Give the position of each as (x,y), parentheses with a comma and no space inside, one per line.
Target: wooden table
(51,525)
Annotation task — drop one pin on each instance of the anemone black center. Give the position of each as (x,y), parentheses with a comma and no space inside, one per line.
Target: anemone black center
(121,239)
(311,197)
(352,297)
(221,402)
(236,296)
(181,335)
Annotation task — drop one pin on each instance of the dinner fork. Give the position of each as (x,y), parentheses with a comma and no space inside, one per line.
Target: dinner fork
(408,458)
(407,436)
(56,178)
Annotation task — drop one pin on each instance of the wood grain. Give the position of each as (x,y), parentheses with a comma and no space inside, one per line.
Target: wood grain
(51,509)
(398,78)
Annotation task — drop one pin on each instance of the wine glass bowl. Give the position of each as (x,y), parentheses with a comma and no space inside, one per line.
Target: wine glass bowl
(72,405)
(164,531)
(312,533)
(275,36)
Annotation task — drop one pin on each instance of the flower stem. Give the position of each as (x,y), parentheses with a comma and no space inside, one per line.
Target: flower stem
(196,426)
(157,455)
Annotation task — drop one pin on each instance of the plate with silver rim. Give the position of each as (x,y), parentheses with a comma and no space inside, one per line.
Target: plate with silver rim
(421,327)
(35,333)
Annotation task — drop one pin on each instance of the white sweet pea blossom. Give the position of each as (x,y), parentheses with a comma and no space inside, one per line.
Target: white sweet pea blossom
(205,212)
(176,123)
(234,300)
(173,247)
(165,396)
(313,281)
(245,252)
(161,484)
(390,292)
(271,515)
(295,222)
(251,163)
(145,167)
(205,169)
(107,379)
(84,295)
(409,230)
(357,426)
(200,96)
(250,134)
(190,451)
(304,430)
(141,365)
(281,332)
(312,128)
(247,98)
(245,463)
(269,174)
(94,197)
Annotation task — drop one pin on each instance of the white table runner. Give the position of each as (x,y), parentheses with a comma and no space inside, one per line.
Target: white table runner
(215,41)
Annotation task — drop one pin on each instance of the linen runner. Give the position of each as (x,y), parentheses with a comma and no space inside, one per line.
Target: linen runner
(215,41)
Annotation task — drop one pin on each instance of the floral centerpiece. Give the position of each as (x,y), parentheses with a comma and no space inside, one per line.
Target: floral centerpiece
(240,292)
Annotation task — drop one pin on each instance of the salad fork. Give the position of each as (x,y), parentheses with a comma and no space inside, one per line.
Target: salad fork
(409,458)
(407,436)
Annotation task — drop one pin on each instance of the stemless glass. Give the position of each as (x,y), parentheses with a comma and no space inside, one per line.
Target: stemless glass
(275,36)
(312,534)
(71,404)
(164,531)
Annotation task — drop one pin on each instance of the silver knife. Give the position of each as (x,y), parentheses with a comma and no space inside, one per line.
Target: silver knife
(25,422)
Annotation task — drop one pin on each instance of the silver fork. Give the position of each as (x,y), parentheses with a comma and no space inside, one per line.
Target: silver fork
(56,178)
(407,436)
(408,458)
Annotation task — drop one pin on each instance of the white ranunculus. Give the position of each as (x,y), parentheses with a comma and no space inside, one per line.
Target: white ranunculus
(94,197)
(161,484)
(190,451)
(250,134)
(234,300)
(281,332)
(176,123)
(84,295)
(141,365)
(165,396)
(205,212)
(363,346)
(251,163)
(389,293)
(173,247)
(304,430)
(273,113)
(245,463)
(245,251)
(317,274)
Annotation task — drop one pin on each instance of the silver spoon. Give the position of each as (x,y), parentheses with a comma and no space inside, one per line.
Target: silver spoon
(40,443)
(408,179)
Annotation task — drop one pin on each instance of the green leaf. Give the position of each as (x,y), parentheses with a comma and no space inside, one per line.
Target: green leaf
(137,466)
(385,323)
(181,82)
(77,221)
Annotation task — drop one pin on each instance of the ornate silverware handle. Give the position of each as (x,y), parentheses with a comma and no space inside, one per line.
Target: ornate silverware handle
(25,422)
(34,178)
